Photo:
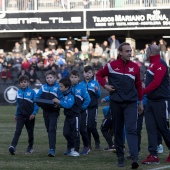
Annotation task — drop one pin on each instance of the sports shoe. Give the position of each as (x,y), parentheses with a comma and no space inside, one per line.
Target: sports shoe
(111,148)
(120,162)
(85,150)
(29,150)
(160,148)
(12,150)
(134,165)
(168,158)
(51,153)
(151,160)
(74,153)
(67,152)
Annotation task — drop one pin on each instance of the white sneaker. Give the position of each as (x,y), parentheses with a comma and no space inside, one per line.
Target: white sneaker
(74,153)
(160,149)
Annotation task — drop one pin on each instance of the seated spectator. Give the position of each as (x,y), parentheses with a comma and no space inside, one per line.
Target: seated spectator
(59,60)
(5,74)
(9,60)
(70,59)
(33,62)
(60,51)
(17,61)
(52,64)
(84,57)
(2,61)
(23,72)
(77,54)
(63,72)
(40,66)
(25,64)
(33,77)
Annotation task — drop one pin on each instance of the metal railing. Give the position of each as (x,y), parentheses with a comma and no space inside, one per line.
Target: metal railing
(46,5)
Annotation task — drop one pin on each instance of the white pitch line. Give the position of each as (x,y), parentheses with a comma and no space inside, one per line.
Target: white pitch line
(160,168)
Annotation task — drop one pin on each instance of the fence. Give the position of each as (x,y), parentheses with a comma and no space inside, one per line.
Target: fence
(46,5)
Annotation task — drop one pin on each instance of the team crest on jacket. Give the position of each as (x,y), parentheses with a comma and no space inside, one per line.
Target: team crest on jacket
(78,90)
(55,88)
(92,84)
(131,69)
(28,94)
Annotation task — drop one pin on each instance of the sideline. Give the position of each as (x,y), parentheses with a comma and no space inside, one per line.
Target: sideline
(160,168)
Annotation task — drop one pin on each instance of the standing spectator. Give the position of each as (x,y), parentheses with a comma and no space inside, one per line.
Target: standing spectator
(86,4)
(77,54)
(157,91)
(25,114)
(162,47)
(33,45)
(70,42)
(90,50)
(52,43)
(40,43)
(125,88)
(167,56)
(114,45)
(98,51)
(24,46)
(16,48)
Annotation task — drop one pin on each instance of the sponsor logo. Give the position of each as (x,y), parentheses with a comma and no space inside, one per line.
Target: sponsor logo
(10,94)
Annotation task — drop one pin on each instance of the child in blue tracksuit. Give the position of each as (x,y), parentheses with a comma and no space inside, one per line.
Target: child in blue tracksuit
(49,91)
(26,111)
(83,96)
(107,125)
(93,89)
(72,110)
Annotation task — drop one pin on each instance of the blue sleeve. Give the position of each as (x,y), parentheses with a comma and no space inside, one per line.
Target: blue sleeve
(16,112)
(98,93)
(107,98)
(36,108)
(86,98)
(67,103)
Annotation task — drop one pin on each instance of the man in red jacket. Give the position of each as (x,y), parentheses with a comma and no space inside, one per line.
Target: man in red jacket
(157,91)
(125,89)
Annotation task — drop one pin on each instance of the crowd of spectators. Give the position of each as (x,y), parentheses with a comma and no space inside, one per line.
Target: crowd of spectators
(34,56)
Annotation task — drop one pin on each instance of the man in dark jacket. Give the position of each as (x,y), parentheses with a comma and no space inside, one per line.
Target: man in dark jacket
(125,89)
(157,113)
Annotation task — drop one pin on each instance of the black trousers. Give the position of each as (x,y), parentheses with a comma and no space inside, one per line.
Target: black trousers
(106,129)
(83,128)
(29,124)
(125,114)
(157,118)
(50,120)
(92,125)
(71,132)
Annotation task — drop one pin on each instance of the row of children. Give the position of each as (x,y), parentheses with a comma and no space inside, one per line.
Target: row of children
(80,103)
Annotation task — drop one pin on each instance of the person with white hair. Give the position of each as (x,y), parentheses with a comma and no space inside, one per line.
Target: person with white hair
(157,92)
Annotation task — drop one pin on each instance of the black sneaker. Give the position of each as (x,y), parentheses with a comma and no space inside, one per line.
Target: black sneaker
(29,150)
(134,165)
(12,150)
(111,148)
(121,162)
